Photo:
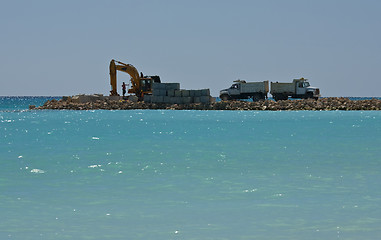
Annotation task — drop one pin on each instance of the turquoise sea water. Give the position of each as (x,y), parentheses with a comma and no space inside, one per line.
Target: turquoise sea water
(155,174)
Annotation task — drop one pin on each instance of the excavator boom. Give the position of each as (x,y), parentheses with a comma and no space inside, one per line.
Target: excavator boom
(139,85)
(128,68)
(113,91)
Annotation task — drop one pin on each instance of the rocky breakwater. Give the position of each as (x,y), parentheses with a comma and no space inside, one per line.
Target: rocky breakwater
(118,103)
(322,104)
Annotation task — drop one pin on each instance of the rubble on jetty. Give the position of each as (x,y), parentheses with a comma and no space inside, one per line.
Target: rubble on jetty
(109,103)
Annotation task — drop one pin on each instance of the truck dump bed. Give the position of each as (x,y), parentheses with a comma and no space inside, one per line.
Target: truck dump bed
(251,87)
(277,87)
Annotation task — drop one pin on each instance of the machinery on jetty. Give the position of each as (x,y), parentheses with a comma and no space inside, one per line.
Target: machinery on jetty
(143,88)
(150,89)
(244,90)
(140,85)
(298,88)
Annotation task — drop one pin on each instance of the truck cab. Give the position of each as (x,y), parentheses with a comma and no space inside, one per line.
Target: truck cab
(304,89)
(235,89)
(230,93)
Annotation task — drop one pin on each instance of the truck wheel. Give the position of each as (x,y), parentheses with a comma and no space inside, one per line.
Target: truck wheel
(225,97)
(278,97)
(257,97)
(309,95)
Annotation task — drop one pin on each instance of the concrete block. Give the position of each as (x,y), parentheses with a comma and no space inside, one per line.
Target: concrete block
(171,92)
(147,98)
(177,93)
(192,93)
(166,99)
(159,92)
(185,93)
(175,100)
(205,99)
(186,100)
(205,92)
(197,93)
(158,85)
(197,99)
(157,99)
(160,99)
(172,86)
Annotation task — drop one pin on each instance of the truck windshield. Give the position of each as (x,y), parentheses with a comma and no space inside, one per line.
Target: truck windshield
(306,84)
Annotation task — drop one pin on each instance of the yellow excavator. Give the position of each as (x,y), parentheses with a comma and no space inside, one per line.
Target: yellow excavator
(140,85)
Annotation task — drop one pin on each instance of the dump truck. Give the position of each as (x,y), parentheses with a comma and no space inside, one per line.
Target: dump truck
(299,88)
(245,90)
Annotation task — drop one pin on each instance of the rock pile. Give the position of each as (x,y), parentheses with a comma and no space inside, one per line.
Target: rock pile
(323,104)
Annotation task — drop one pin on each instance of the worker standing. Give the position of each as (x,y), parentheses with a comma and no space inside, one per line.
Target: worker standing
(124,88)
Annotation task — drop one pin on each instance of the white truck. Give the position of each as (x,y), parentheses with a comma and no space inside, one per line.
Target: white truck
(299,88)
(245,90)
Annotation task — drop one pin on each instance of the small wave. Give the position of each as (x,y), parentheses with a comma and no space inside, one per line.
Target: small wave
(94,166)
(37,171)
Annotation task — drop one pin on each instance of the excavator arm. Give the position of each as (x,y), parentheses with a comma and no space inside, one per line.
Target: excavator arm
(128,68)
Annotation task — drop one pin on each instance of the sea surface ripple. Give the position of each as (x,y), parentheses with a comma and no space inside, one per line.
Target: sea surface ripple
(162,174)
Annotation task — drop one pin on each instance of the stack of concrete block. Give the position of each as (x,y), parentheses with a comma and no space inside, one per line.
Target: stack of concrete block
(171,93)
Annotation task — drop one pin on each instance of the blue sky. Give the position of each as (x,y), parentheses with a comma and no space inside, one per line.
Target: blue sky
(64,47)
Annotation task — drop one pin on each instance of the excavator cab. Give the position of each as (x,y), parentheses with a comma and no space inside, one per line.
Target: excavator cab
(145,86)
(147,81)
